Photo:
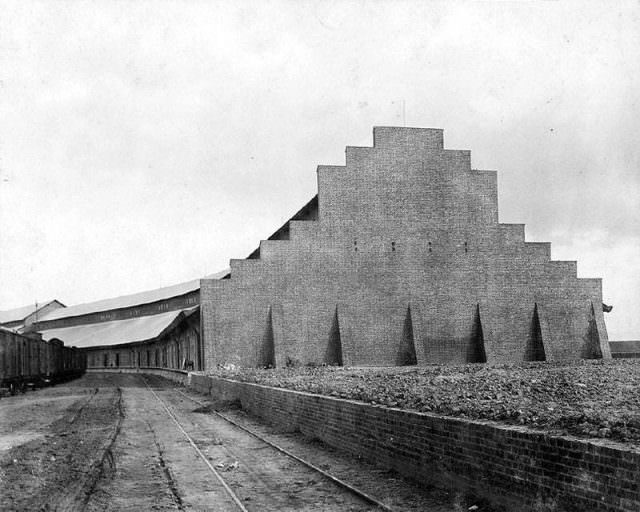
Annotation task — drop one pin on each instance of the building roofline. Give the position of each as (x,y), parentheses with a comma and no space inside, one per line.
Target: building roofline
(130,300)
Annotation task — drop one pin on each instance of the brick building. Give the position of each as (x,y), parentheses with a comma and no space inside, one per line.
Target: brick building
(401,259)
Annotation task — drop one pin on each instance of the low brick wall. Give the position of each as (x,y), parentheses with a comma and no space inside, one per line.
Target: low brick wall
(517,467)
(625,349)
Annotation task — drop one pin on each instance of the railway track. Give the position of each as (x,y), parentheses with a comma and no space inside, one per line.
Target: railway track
(344,486)
(202,456)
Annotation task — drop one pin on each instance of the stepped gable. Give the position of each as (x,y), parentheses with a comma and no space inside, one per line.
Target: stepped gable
(401,259)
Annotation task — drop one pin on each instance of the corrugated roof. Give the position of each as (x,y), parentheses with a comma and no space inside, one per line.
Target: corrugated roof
(17,329)
(116,332)
(135,299)
(13,315)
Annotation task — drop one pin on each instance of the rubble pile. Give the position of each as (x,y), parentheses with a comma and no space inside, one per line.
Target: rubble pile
(597,399)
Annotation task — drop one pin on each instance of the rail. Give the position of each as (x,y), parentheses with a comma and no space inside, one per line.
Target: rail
(341,483)
(229,491)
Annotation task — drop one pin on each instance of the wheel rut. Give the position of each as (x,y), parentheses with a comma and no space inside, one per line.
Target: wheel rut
(167,472)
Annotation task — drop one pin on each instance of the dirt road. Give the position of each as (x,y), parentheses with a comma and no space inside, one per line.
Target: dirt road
(128,442)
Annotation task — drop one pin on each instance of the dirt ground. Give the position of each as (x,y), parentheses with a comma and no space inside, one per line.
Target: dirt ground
(124,442)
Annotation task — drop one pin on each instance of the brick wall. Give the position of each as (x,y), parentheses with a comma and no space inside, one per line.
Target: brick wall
(514,466)
(403,256)
(624,349)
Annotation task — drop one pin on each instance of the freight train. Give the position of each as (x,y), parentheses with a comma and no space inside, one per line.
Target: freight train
(30,361)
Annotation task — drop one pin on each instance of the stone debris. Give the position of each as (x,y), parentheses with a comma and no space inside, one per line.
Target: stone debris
(598,399)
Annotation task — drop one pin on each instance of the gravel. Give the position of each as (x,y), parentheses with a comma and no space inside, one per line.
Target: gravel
(594,399)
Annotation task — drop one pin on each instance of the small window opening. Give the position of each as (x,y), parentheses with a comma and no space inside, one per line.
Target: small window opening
(466,247)
(430,250)
(355,245)
(393,246)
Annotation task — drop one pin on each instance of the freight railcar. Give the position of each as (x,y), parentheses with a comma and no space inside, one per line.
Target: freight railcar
(28,360)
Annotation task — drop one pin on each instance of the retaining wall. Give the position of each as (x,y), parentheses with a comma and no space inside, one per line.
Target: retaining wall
(517,467)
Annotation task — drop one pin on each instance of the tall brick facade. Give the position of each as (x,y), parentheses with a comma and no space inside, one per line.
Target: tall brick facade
(401,260)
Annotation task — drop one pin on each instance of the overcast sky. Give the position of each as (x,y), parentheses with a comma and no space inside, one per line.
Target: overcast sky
(146,143)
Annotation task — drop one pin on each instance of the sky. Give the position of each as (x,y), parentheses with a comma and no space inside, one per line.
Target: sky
(143,144)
